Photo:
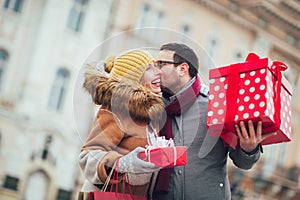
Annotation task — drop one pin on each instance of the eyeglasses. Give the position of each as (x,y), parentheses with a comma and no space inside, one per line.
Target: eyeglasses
(161,63)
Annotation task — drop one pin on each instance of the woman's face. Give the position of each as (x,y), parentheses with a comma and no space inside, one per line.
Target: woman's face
(151,78)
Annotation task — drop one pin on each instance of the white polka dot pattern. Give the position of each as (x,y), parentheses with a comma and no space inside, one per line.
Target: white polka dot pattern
(255,99)
(286,113)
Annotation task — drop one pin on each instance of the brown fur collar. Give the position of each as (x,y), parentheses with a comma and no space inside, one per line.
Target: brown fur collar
(125,98)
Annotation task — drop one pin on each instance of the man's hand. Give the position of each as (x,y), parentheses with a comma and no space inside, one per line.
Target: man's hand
(251,138)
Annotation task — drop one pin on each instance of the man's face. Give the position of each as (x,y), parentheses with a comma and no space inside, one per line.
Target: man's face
(169,71)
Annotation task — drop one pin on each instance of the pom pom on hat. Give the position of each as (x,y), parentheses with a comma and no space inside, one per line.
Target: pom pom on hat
(109,63)
(130,65)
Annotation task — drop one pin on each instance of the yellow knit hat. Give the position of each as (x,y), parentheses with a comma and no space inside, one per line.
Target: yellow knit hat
(130,65)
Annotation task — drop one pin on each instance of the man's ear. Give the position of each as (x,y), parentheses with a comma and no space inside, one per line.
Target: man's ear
(183,69)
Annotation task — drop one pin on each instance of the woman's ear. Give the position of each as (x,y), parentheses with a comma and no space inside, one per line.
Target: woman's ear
(183,69)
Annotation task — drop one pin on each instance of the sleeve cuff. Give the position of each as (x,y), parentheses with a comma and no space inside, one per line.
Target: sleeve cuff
(251,153)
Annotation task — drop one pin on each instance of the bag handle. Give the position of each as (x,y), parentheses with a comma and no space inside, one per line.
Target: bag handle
(126,180)
(106,183)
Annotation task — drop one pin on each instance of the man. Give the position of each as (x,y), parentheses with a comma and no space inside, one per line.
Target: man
(205,175)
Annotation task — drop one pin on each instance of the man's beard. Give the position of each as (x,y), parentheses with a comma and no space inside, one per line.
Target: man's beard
(167,92)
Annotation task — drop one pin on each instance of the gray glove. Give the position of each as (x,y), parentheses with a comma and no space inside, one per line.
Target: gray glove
(130,163)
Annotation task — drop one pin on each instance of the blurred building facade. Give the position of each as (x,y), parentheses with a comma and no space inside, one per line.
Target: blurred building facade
(44,42)
(42,46)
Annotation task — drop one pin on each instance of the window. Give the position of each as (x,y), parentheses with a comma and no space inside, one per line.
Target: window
(160,17)
(212,45)
(37,186)
(63,195)
(185,29)
(47,144)
(59,88)
(291,74)
(15,5)
(77,14)
(3,60)
(238,57)
(262,23)
(234,6)
(209,58)
(150,17)
(291,39)
(270,160)
(282,151)
(212,48)
(143,16)
(11,183)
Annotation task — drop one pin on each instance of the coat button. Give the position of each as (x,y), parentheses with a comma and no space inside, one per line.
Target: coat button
(180,172)
(179,140)
(221,184)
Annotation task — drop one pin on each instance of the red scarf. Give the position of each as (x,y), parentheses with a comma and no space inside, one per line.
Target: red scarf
(175,108)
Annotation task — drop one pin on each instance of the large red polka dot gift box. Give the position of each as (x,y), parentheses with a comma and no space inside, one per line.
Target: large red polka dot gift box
(256,90)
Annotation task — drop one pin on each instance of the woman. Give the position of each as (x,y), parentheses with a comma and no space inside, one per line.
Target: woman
(130,99)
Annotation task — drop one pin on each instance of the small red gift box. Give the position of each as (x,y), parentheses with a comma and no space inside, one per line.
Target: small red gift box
(165,157)
(253,90)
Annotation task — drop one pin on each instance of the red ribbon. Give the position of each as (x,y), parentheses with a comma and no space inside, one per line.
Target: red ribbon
(228,134)
(276,68)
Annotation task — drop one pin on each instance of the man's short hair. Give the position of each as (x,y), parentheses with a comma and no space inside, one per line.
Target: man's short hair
(183,53)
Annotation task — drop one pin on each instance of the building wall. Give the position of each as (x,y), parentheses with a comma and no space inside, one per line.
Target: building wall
(40,141)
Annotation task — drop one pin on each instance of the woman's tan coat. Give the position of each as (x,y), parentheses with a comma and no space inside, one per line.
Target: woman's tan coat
(120,125)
